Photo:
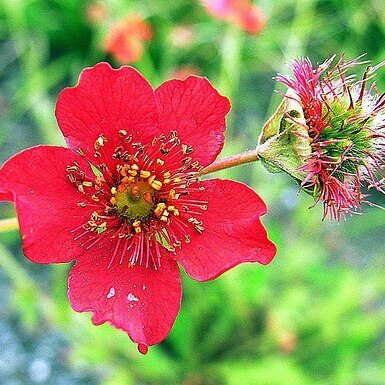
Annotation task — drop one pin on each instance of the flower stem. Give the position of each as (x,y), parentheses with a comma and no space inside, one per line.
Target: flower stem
(9,224)
(232,161)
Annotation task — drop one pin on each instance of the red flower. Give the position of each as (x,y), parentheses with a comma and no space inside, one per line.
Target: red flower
(241,13)
(125,39)
(345,124)
(125,201)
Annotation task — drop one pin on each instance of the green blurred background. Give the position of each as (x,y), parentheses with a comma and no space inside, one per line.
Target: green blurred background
(315,315)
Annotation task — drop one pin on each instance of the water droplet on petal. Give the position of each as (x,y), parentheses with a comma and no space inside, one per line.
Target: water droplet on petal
(131,297)
(143,348)
(111,293)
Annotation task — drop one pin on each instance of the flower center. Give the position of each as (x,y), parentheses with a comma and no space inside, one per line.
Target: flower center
(145,200)
(135,201)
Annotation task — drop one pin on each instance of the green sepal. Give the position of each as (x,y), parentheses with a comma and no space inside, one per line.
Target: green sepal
(284,144)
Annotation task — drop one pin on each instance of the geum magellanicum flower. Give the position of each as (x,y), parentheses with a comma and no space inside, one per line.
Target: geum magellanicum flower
(241,13)
(339,123)
(126,39)
(125,200)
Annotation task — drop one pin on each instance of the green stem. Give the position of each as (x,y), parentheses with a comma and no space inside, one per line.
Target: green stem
(9,224)
(232,161)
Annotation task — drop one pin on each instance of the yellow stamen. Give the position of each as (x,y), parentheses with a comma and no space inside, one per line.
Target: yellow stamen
(156,185)
(160,207)
(145,174)
(122,188)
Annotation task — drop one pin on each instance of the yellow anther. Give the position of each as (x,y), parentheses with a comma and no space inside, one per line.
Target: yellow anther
(128,179)
(135,192)
(167,181)
(122,188)
(160,162)
(132,172)
(135,167)
(163,218)
(113,201)
(148,197)
(151,179)
(177,180)
(100,141)
(173,210)
(160,207)
(171,193)
(156,185)
(136,226)
(81,189)
(122,133)
(165,213)
(167,175)
(144,174)
(87,184)
(113,190)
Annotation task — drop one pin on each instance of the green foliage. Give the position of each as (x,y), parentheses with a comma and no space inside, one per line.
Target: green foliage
(316,315)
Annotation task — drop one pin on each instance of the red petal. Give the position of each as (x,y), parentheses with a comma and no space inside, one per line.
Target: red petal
(46,202)
(106,101)
(144,302)
(233,231)
(194,108)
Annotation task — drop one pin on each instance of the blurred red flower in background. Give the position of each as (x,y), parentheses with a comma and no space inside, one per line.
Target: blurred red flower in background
(96,12)
(241,13)
(126,201)
(125,40)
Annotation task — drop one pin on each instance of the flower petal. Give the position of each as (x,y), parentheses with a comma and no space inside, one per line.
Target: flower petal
(106,101)
(233,231)
(142,301)
(195,109)
(46,202)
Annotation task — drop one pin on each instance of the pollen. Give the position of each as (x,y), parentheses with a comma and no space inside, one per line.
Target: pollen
(122,188)
(144,174)
(148,197)
(135,192)
(156,185)
(159,209)
(136,226)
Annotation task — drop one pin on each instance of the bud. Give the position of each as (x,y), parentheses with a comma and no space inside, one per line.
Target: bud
(328,134)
